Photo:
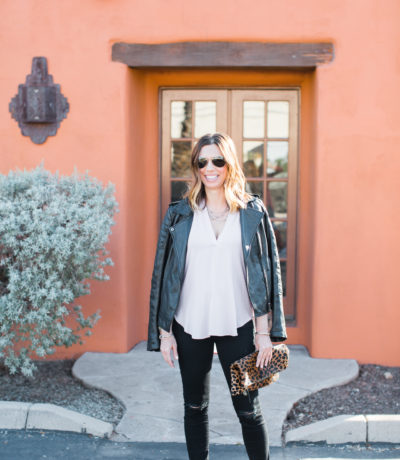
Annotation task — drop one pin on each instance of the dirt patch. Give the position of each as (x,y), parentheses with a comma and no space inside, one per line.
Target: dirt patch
(376,390)
(54,383)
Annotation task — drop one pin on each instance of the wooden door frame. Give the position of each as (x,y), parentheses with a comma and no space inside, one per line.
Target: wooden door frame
(292,93)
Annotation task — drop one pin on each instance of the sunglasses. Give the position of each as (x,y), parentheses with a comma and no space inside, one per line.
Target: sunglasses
(218,162)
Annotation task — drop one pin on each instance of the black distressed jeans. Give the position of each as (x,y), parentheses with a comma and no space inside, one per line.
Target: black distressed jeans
(195,361)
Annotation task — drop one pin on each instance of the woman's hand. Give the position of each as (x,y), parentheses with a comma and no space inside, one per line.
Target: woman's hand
(168,344)
(264,346)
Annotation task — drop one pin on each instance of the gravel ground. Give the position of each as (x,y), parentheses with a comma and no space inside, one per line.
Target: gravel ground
(375,391)
(53,383)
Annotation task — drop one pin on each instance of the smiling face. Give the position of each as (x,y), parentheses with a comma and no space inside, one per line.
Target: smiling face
(211,176)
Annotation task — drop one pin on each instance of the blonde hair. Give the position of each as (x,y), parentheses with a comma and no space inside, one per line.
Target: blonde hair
(234,185)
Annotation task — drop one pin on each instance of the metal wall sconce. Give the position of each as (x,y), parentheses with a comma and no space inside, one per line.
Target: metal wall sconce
(39,107)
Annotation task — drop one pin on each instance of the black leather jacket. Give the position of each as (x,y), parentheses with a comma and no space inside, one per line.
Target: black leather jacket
(260,257)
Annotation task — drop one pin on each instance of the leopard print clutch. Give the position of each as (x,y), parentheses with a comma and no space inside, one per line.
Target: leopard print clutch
(245,376)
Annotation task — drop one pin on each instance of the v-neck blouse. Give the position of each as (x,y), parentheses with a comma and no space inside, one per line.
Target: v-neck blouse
(214,298)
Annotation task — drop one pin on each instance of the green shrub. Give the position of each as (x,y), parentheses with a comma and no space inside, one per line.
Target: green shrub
(52,235)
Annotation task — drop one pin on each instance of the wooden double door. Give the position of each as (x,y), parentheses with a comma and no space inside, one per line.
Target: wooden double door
(264,126)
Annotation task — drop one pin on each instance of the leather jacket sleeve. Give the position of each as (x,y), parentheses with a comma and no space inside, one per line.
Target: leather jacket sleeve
(278,329)
(269,253)
(163,246)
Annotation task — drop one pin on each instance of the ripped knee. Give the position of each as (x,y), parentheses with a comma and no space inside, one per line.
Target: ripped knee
(248,415)
(192,407)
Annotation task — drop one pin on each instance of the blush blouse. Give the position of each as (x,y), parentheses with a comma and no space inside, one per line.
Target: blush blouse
(214,298)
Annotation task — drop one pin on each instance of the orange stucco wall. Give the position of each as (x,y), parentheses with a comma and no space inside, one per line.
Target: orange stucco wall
(348,249)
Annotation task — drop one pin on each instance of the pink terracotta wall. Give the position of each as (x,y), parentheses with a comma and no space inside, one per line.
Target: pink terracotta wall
(348,245)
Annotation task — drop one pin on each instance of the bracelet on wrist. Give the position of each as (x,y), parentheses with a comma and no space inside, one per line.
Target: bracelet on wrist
(263,333)
(165,336)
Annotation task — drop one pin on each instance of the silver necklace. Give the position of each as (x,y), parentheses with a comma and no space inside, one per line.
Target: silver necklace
(217,216)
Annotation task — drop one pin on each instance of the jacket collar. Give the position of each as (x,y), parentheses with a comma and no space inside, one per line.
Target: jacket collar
(183,207)
(249,221)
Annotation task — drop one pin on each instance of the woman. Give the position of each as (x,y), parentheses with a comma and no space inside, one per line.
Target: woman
(216,268)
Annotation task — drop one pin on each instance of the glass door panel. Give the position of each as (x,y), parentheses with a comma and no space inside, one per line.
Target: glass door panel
(264,128)
(186,116)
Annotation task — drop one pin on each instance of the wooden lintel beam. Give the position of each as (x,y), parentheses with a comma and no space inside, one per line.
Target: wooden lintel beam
(223,54)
